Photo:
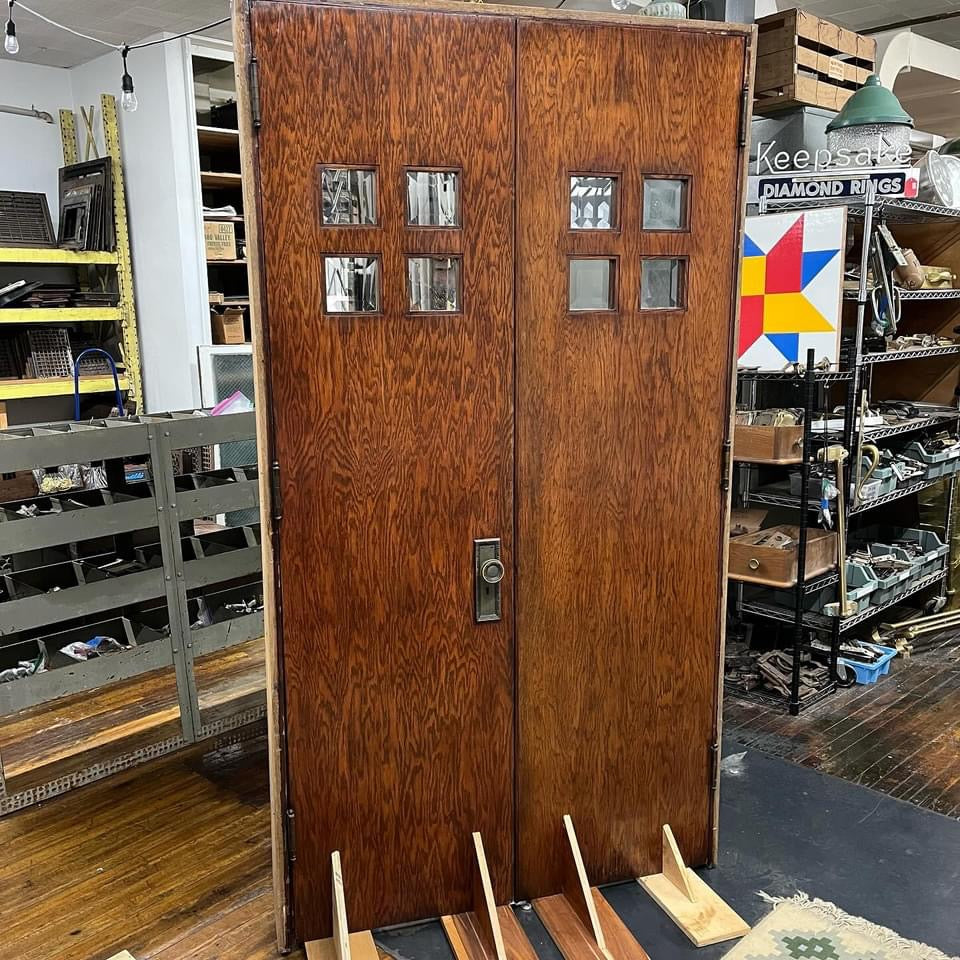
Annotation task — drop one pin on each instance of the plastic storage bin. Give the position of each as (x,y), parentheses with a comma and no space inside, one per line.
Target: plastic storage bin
(938,463)
(871,672)
(934,549)
(892,586)
(862,584)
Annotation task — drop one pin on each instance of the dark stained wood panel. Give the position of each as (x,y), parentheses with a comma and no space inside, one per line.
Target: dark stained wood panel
(621,419)
(395,438)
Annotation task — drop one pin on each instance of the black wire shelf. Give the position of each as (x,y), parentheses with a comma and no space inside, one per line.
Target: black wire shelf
(917,353)
(771,698)
(772,496)
(824,624)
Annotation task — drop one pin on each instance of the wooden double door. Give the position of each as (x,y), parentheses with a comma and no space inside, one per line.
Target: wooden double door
(499,253)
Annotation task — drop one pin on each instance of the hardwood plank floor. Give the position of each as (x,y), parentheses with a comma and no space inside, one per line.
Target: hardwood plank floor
(900,736)
(170,861)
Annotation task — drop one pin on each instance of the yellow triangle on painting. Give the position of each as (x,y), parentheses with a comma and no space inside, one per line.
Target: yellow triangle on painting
(793,313)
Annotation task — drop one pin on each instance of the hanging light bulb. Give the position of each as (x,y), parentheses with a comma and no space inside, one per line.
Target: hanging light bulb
(128,99)
(10,42)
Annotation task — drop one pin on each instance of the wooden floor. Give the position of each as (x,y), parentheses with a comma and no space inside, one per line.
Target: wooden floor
(170,861)
(900,736)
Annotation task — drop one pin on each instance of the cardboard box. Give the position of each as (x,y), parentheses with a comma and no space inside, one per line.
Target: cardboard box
(220,238)
(17,486)
(227,327)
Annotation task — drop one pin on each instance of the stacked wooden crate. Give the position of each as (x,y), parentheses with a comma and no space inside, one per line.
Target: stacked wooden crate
(805,61)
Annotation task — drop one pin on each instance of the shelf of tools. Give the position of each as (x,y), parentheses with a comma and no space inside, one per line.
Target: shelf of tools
(886,453)
(105,577)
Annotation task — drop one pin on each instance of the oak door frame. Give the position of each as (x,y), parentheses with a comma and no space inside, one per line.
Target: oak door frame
(248,123)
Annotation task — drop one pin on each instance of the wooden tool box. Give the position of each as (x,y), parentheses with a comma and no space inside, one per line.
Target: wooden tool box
(752,561)
(767,444)
(803,60)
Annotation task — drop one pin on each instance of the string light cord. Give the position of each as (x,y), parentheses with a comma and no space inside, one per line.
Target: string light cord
(61,26)
(128,99)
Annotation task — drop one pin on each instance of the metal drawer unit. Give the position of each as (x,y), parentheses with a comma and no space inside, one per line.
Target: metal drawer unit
(172,580)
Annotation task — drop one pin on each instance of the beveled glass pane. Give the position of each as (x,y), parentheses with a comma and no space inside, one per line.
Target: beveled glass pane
(352,284)
(593,203)
(349,196)
(433,284)
(433,198)
(592,284)
(664,204)
(661,283)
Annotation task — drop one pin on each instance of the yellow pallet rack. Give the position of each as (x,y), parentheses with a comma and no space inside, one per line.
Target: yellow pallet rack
(124,314)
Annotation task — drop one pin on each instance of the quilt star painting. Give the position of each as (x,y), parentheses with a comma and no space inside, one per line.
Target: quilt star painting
(791,287)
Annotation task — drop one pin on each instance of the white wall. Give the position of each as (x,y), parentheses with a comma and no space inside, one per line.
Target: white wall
(30,152)
(158,146)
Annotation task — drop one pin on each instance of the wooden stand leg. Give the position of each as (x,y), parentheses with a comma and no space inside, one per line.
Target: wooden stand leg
(487,932)
(343,945)
(703,916)
(580,920)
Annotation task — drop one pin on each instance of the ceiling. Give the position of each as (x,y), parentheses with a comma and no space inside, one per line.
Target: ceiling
(116,21)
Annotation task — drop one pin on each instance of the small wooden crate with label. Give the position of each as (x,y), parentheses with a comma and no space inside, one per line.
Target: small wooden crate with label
(803,60)
(220,239)
(769,557)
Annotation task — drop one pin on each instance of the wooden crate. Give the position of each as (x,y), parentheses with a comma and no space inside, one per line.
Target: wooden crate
(767,444)
(803,60)
(755,563)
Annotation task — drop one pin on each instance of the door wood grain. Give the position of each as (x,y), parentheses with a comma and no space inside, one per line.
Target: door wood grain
(394,434)
(621,418)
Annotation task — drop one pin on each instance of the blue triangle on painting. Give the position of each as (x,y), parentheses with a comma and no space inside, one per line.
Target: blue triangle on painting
(750,249)
(813,262)
(787,343)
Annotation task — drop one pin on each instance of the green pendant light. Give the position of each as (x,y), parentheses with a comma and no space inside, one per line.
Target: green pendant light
(872,103)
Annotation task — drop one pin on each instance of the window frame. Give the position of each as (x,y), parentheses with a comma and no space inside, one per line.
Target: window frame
(353,313)
(614,309)
(428,168)
(683,286)
(687,209)
(377,181)
(616,209)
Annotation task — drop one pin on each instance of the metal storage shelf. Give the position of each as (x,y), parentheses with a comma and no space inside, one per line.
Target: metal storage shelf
(56,255)
(59,314)
(775,499)
(918,354)
(161,506)
(871,434)
(894,210)
(820,376)
(58,386)
(942,293)
(816,621)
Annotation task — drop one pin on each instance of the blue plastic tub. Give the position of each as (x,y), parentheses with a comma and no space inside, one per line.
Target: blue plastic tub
(870,673)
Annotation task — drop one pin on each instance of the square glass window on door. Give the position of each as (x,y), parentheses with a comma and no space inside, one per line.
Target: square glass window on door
(433,198)
(664,204)
(592,283)
(348,196)
(433,284)
(352,284)
(593,202)
(662,283)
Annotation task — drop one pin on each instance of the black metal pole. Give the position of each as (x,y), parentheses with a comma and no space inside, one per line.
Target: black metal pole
(809,390)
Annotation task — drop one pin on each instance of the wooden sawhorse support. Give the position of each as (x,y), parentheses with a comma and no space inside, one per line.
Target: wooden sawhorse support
(702,915)
(343,945)
(487,932)
(579,919)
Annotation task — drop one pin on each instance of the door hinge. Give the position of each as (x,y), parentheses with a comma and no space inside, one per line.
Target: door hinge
(254,81)
(744,117)
(725,466)
(290,822)
(714,760)
(276,499)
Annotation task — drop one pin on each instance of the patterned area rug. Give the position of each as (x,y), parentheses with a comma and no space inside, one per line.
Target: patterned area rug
(807,929)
